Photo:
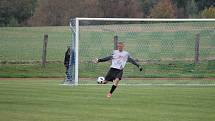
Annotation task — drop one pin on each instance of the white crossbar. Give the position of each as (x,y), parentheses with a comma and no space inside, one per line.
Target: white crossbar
(140,19)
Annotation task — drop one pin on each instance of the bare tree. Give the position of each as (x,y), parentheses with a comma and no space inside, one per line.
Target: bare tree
(163,9)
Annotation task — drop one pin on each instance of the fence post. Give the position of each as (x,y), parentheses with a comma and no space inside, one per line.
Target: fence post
(197,42)
(115,42)
(45,42)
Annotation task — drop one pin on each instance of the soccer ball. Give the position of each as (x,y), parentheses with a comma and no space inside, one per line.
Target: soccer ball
(100,79)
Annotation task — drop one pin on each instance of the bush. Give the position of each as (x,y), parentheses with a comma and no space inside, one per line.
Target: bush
(163,9)
(208,13)
(13,22)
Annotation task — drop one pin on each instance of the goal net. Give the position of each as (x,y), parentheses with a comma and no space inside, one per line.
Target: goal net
(166,48)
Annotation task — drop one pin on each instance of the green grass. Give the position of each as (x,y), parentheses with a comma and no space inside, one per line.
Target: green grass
(32,70)
(165,50)
(26,43)
(150,41)
(143,41)
(45,100)
(170,69)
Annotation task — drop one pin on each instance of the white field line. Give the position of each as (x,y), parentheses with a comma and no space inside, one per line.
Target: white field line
(149,84)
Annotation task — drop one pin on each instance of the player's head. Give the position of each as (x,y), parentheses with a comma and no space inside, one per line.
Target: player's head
(68,50)
(120,46)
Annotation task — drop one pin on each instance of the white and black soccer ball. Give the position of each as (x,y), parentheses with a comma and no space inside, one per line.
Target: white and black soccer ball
(100,79)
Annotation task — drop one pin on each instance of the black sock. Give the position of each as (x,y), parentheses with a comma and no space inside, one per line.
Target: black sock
(112,89)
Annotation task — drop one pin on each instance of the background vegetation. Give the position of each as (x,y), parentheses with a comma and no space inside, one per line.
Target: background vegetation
(58,12)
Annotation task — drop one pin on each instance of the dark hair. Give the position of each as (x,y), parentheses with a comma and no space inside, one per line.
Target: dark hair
(68,51)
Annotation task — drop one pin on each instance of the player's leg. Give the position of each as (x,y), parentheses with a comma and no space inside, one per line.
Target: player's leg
(116,81)
(118,76)
(108,77)
(104,82)
(114,86)
(66,74)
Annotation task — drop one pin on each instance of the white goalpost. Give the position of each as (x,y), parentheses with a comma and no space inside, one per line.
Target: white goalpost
(166,47)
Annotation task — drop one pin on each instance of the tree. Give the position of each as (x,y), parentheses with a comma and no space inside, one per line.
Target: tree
(208,12)
(58,12)
(202,4)
(16,12)
(181,8)
(134,9)
(192,9)
(120,8)
(163,9)
(147,6)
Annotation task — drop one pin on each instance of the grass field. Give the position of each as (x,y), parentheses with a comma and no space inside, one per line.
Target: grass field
(46,100)
(165,50)
(159,70)
(26,43)
(143,41)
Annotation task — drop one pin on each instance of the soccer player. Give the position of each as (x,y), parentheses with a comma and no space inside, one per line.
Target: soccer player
(67,61)
(66,64)
(119,59)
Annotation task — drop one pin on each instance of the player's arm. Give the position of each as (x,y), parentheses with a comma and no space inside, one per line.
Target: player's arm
(103,59)
(131,60)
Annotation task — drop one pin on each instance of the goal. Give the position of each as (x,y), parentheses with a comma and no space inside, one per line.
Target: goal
(167,48)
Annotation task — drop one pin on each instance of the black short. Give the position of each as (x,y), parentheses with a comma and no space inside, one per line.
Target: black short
(113,73)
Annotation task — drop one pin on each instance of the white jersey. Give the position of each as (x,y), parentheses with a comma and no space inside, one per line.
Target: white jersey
(119,59)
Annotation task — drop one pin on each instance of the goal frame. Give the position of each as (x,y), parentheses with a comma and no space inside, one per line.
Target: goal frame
(75,29)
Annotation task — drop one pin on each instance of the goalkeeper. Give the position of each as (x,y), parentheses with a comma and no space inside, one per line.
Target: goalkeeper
(119,59)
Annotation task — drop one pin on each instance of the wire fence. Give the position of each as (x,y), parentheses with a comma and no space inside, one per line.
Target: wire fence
(165,49)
